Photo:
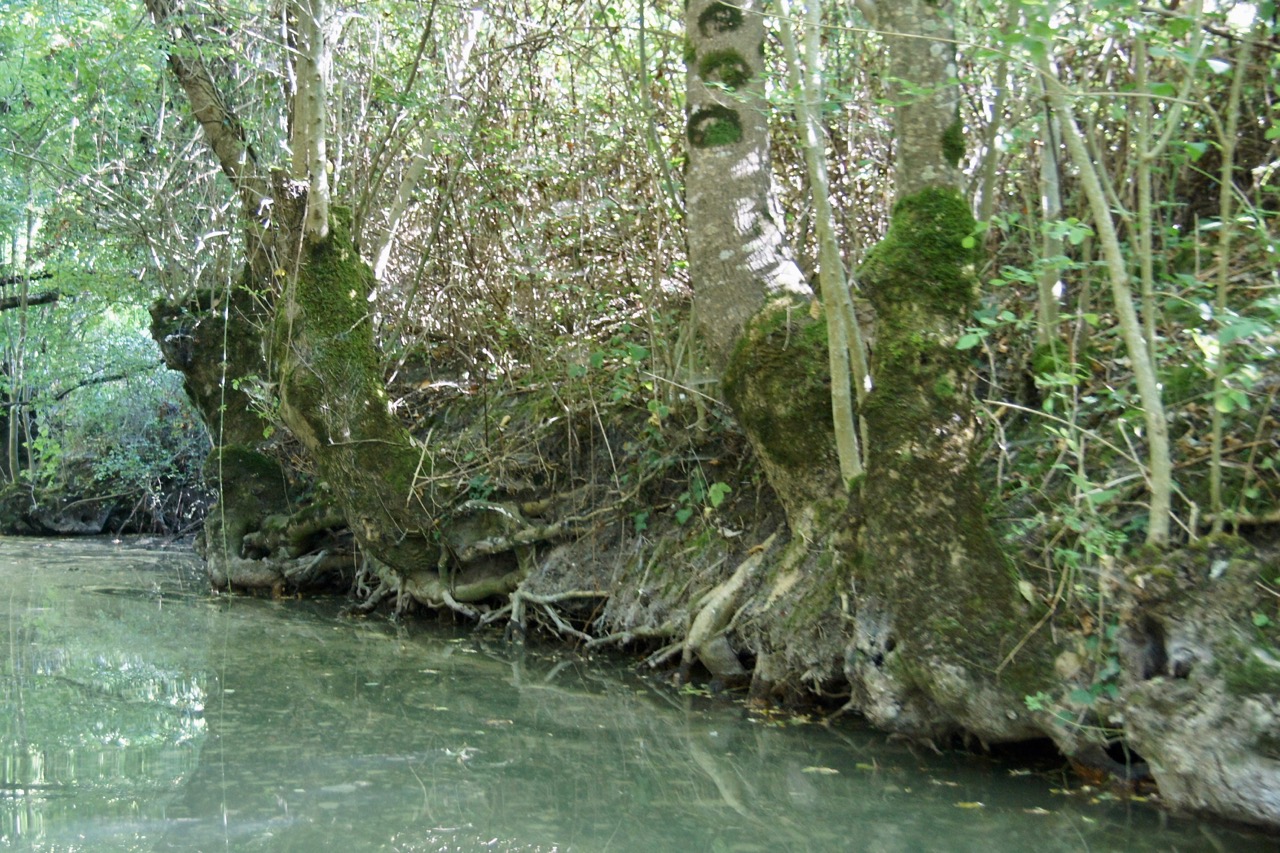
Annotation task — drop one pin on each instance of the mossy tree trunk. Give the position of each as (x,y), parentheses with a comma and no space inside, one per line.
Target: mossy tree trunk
(296,330)
(939,607)
(215,342)
(907,568)
(332,397)
(755,309)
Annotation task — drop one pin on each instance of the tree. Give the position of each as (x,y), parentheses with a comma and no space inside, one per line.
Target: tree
(749,293)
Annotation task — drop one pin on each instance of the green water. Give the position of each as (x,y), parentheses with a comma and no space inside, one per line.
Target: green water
(139,713)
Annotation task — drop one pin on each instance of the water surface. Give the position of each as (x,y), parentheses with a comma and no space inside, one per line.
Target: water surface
(139,713)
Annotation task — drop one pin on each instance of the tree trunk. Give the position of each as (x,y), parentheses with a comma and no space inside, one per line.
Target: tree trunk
(752,303)
(738,256)
(938,611)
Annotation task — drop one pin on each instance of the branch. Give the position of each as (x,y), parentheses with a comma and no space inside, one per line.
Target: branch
(8,303)
(103,379)
(1223,32)
(18,278)
(222,128)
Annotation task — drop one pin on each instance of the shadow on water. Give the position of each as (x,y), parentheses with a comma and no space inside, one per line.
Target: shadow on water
(139,713)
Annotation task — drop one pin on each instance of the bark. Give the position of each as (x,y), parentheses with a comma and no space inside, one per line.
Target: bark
(310,113)
(938,613)
(846,350)
(738,255)
(332,398)
(753,306)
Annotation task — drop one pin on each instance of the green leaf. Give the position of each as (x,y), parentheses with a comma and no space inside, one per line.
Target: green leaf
(1196,149)
(716,494)
(1240,329)
(970,340)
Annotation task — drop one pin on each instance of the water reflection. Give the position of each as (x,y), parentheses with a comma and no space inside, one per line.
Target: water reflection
(140,714)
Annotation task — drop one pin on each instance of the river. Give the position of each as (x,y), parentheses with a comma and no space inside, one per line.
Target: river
(140,713)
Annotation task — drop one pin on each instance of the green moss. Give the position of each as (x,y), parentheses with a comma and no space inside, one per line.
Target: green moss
(1257,672)
(714,126)
(944,387)
(953,142)
(725,66)
(236,464)
(719,18)
(780,388)
(923,260)
(333,399)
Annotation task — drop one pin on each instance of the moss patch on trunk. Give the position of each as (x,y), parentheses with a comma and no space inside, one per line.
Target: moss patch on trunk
(332,397)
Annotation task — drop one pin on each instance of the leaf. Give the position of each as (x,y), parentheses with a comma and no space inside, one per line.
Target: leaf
(716,494)
(969,341)
(1196,149)
(822,771)
(1027,591)
(1240,329)
(974,804)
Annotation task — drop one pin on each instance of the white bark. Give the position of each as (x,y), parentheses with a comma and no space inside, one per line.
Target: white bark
(310,113)
(738,254)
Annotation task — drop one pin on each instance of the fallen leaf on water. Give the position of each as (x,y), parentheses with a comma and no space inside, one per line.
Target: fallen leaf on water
(973,805)
(1037,810)
(862,765)
(825,771)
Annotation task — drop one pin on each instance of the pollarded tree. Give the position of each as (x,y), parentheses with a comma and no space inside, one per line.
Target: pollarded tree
(295,335)
(932,598)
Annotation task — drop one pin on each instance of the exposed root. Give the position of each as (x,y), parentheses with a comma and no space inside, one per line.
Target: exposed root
(706,640)
(624,638)
(519,598)
(458,607)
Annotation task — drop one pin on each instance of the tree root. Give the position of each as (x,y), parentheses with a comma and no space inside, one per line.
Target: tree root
(706,639)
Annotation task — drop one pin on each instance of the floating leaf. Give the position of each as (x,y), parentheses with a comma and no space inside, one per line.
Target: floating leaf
(974,804)
(822,771)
